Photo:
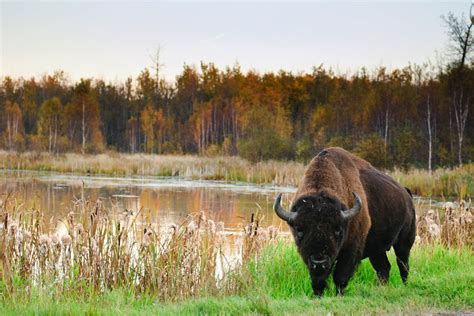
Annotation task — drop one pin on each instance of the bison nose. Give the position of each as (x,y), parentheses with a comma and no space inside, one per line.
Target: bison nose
(319,262)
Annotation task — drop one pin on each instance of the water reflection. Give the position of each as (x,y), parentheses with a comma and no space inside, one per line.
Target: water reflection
(164,200)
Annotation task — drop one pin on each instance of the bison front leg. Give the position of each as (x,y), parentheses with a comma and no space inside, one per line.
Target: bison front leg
(345,267)
(381,265)
(318,287)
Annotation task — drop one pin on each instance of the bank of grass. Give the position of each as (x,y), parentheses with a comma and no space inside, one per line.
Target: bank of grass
(441,280)
(194,167)
(443,182)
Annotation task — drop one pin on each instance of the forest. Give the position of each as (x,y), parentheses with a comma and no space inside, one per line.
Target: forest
(403,117)
(416,116)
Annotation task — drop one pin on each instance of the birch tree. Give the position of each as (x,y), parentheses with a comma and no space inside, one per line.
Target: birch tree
(49,121)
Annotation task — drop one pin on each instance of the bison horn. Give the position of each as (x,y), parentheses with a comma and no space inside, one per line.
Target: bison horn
(280,211)
(348,214)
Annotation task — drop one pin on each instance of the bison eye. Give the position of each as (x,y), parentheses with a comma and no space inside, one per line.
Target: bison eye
(299,232)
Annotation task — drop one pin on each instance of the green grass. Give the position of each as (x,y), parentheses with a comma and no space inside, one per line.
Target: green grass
(441,280)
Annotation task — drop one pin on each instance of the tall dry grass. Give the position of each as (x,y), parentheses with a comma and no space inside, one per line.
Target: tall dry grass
(195,167)
(94,250)
(451,226)
(442,182)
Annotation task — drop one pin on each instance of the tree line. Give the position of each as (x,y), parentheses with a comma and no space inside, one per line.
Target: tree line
(414,116)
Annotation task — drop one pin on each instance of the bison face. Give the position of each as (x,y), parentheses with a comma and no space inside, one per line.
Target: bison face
(319,224)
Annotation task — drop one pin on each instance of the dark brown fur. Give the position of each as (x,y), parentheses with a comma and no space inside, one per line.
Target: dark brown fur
(387,219)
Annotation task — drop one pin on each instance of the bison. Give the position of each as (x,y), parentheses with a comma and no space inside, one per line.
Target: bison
(346,210)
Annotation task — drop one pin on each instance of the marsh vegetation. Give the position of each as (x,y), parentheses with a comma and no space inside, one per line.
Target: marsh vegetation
(95,258)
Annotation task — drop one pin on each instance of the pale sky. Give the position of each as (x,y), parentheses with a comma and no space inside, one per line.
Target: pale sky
(114,40)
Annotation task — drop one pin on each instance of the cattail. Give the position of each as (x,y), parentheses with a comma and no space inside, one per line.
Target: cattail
(173,228)
(191,228)
(146,240)
(85,251)
(272,232)
(465,218)
(202,217)
(211,226)
(44,239)
(66,240)
(93,244)
(13,229)
(432,215)
(27,235)
(449,205)
(54,240)
(434,231)
(79,229)
(220,227)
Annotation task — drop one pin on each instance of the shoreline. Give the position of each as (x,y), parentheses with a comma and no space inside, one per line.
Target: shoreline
(455,182)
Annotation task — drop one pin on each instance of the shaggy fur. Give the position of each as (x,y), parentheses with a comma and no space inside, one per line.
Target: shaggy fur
(327,242)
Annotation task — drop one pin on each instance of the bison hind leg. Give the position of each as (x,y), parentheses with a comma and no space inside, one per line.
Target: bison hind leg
(381,265)
(402,262)
(402,250)
(402,254)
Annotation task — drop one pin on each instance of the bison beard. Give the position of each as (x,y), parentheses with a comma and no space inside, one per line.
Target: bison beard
(345,210)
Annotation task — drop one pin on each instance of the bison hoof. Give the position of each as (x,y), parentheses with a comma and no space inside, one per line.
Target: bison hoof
(318,293)
(340,292)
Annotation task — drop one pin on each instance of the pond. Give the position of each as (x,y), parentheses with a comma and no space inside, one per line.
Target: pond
(165,199)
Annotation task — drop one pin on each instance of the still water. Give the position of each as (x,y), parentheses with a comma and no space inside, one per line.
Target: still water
(166,200)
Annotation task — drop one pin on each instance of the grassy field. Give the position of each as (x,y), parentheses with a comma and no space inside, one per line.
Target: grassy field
(441,280)
(443,182)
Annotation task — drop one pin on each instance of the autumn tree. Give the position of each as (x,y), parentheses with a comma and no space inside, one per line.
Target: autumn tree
(13,122)
(265,134)
(49,121)
(147,123)
(85,109)
(29,106)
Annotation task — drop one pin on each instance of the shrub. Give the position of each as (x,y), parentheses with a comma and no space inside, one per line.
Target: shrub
(373,150)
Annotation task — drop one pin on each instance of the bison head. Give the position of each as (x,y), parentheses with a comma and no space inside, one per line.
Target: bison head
(319,224)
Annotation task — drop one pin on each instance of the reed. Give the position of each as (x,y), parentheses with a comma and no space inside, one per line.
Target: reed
(451,226)
(194,167)
(443,182)
(96,249)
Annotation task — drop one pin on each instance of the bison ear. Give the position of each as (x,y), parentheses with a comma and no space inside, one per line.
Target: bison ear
(348,214)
